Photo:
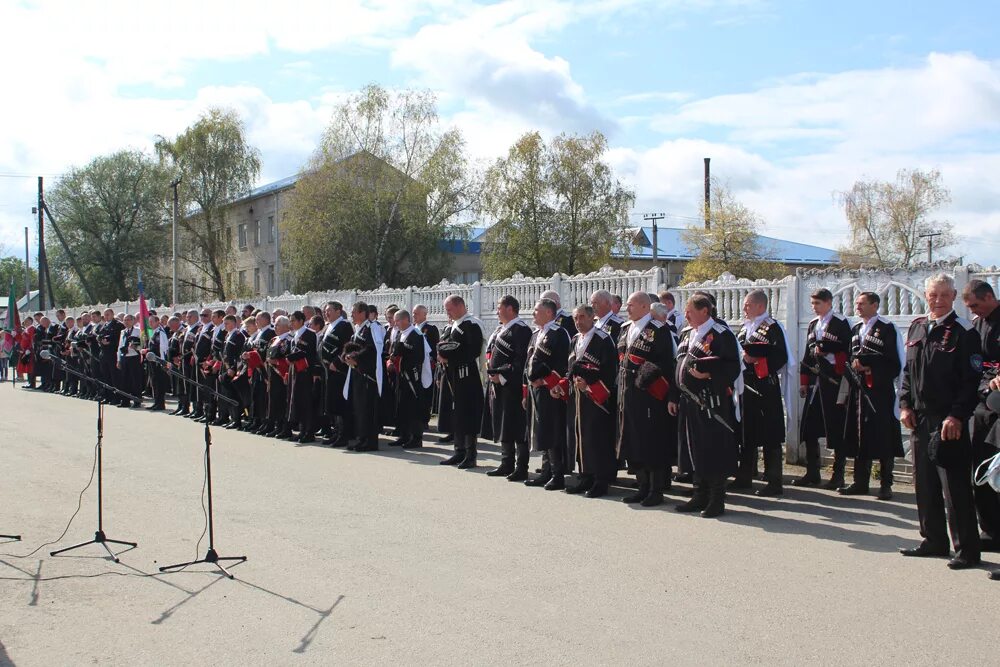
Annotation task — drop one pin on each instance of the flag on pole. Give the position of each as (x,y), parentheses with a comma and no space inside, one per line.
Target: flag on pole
(13,323)
(145,330)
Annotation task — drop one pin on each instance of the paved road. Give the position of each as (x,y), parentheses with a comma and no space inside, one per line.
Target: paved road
(389,558)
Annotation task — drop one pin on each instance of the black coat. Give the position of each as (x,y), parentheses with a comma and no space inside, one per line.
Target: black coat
(548,352)
(645,438)
(707,424)
(871,429)
(465,344)
(761,404)
(407,354)
(591,426)
(506,356)
(821,414)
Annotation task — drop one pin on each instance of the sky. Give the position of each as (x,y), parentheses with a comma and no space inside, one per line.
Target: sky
(793,100)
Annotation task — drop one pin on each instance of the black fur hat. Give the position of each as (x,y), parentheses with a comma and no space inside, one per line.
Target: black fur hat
(648,374)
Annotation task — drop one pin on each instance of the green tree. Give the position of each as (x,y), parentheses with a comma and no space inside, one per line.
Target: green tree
(555,208)
(112,214)
(215,164)
(731,244)
(887,219)
(12,270)
(385,186)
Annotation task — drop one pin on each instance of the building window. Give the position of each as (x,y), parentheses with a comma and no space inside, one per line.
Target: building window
(270,278)
(256,281)
(242,235)
(242,280)
(270,229)
(256,232)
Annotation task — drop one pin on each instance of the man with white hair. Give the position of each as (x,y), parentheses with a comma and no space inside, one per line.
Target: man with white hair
(563,319)
(459,352)
(939,393)
(646,350)
(607,320)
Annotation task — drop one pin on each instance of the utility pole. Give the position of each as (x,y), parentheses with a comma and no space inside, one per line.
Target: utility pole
(174,234)
(930,244)
(708,194)
(41,246)
(27,272)
(653,217)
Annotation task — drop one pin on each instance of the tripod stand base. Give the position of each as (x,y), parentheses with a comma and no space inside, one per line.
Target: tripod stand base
(10,537)
(99,538)
(212,558)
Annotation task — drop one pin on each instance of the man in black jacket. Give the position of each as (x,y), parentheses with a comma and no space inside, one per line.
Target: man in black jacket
(824,362)
(409,356)
(459,352)
(503,412)
(548,356)
(939,393)
(364,380)
(982,302)
(304,363)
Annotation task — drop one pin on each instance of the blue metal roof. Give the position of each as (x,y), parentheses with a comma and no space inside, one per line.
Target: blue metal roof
(268,188)
(672,246)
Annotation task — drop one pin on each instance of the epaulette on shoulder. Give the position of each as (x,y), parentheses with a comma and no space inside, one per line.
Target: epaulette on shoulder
(656,323)
(768,320)
(964,323)
(719,327)
(616,318)
(685,330)
(839,316)
(601,333)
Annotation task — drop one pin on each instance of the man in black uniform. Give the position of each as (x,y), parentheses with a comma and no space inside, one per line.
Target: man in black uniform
(506,355)
(336,334)
(459,352)
(593,370)
(410,359)
(256,357)
(433,336)
(277,389)
(546,365)
(982,302)
(203,359)
(824,362)
(159,346)
(563,318)
(646,364)
(939,393)
(304,363)
(871,429)
(230,378)
(607,321)
(190,404)
(708,366)
(130,362)
(363,353)
(765,355)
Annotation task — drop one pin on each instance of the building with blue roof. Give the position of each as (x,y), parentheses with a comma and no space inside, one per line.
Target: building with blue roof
(672,253)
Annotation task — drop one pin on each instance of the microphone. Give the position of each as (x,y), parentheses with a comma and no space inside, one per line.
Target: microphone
(155,359)
(45,354)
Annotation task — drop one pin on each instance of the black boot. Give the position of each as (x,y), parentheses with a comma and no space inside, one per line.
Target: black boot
(837,478)
(643,478)
(545,472)
(811,478)
(470,453)
(773,461)
(447,437)
(597,490)
(506,461)
(523,454)
(455,458)
(716,499)
(583,484)
(885,478)
(699,497)
(657,479)
(862,477)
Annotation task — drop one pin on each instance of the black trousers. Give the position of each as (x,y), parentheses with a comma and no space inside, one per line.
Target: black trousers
(987,500)
(160,381)
(944,495)
(130,377)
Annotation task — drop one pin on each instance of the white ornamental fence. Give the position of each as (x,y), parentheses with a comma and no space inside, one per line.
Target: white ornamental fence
(901,292)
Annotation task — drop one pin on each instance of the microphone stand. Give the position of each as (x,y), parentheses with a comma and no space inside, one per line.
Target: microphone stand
(99,536)
(212,557)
